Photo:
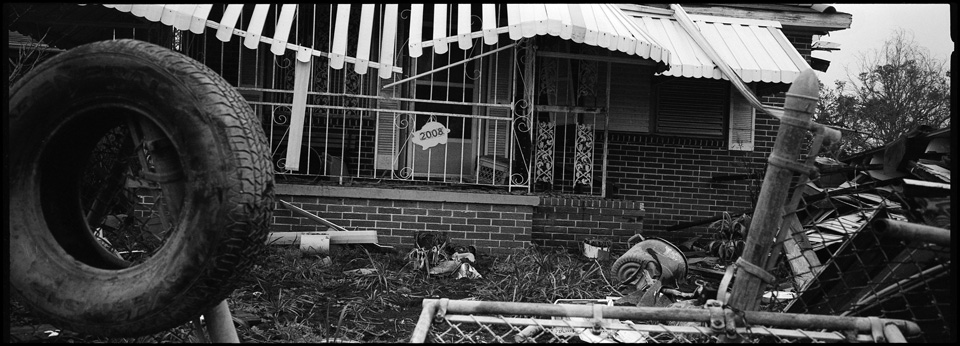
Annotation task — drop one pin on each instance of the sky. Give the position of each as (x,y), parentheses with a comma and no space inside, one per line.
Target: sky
(875,23)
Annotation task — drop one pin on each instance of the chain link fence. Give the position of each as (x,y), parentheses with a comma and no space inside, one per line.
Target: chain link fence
(462,321)
(874,250)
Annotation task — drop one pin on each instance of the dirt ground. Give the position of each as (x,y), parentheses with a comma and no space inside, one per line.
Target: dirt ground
(291,297)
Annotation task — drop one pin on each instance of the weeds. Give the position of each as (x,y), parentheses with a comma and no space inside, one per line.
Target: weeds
(295,298)
(540,276)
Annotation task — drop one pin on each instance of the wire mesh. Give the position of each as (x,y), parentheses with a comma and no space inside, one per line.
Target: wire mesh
(851,268)
(487,325)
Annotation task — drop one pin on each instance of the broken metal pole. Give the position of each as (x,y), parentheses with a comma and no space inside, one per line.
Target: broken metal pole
(912,231)
(423,324)
(220,325)
(800,103)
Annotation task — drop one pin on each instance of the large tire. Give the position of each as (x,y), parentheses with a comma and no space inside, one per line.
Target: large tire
(58,114)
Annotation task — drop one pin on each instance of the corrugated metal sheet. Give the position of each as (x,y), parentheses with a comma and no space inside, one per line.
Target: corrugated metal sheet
(195,18)
(600,25)
(757,51)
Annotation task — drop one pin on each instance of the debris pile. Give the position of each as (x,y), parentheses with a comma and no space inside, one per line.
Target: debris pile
(435,254)
(862,266)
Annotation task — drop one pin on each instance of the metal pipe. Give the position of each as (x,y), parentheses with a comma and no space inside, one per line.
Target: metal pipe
(893,334)
(913,231)
(535,326)
(800,103)
(448,66)
(220,324)
(778,319)
(419,335)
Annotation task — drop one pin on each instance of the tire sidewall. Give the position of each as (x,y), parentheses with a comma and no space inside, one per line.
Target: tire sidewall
(41,271)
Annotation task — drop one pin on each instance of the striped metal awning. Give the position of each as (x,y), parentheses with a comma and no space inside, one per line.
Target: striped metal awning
(756,50)
(601,25)
(194,17)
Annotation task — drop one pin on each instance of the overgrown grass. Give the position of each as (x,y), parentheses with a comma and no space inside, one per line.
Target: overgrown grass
(545,276)
(298,299)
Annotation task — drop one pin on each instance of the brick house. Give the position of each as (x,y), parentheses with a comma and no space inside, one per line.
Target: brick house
(499,124)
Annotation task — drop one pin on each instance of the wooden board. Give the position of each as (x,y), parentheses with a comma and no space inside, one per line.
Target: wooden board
(336,237)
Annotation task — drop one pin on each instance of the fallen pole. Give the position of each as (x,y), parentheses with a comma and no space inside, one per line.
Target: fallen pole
(800,103)
(220,325)
(913,231)
(699,222)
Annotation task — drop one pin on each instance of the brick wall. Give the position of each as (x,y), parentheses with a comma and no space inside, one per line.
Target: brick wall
(492,223)
(566,222)
(671,176)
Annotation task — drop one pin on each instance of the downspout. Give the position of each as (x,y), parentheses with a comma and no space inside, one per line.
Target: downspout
(832,133)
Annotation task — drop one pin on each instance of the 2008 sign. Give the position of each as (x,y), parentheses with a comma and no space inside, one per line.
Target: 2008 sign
(431,134)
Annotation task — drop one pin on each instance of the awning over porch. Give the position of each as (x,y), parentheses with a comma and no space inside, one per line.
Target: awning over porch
(194,17)
(601,25)
(756,50)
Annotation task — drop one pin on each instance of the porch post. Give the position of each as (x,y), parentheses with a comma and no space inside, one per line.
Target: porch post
(529,87)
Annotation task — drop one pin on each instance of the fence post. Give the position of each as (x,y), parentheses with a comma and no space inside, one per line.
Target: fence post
(800,103)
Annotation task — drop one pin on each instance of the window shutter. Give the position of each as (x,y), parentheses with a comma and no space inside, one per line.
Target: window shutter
(742,123)
(691,106)
(499,90)
(629,98)
(387,132)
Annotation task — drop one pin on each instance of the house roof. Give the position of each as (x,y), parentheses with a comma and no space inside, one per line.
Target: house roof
(757,50)
(600,25)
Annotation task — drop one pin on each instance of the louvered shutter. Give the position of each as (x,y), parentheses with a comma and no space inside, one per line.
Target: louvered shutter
(742,123)
(629,98)
(387,132)
(691,106)
(499,90)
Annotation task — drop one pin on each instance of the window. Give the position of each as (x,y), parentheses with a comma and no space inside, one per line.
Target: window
(690,106)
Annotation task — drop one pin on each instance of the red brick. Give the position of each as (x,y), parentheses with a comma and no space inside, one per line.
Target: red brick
(354,216)
(465,214)
(387,224)
(339,208)
(502,236)
(389,210)
(439,212)
(437,226)
(463,228)
(299,199)
(430,219)
(478,235)
(379,217)
(488,229)
(362,224)
(479,207)
(488,215)
(412,225)
(406,218)
(414,211)
(380,202)
(286,220)
(362,209)
(478,221)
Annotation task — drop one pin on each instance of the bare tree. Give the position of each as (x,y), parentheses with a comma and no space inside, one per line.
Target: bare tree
(26,58)
(901,87)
